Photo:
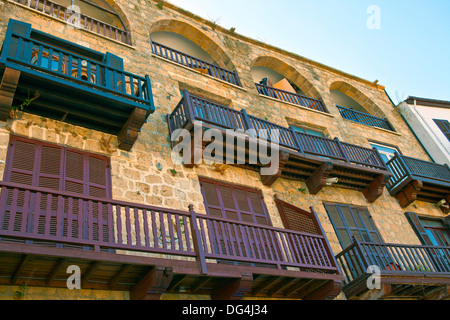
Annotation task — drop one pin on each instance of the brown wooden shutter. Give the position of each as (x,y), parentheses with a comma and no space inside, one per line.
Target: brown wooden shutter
(418,228)
(297,219)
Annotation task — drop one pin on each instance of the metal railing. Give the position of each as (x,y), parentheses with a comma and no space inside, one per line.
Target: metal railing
(195,63)
(81,20)
(365,118)
(293,98)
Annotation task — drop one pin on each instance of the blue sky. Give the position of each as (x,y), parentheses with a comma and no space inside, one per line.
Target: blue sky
(409,54)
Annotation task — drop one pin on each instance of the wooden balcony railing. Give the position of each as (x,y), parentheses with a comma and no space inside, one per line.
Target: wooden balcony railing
(195,63)
(392,259)
(293,98)
(365,118)
(41,215)
(193,108)
(47,59)
(81,20)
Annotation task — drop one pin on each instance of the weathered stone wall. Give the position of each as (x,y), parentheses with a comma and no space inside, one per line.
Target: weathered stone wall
(144,174)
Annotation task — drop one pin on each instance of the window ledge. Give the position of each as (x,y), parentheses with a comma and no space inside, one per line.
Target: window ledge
(198,72)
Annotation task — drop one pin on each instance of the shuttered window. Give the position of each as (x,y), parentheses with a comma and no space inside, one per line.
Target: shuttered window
(54,167)
(233,202)
(350,221)
(444,125)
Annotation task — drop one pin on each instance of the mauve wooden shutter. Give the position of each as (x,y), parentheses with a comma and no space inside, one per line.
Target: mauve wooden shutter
(297,219)
(418,228)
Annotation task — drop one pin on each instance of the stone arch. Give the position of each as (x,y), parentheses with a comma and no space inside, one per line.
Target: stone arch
(289,73)
(196,36)
(359,97)
(114,7)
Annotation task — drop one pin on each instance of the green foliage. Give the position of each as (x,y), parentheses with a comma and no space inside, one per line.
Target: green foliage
(26,103)
(20,293)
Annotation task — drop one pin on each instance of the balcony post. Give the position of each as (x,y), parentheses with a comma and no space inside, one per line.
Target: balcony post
(189,107)
(198,246)
(341,149)
(296,140)
(248,122)
(379,158)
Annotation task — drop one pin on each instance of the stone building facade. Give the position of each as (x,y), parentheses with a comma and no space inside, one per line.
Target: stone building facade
(147,174)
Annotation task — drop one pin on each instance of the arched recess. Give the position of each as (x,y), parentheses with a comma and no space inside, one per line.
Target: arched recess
(195,36)
(279,68)
(343,92)
(106,11)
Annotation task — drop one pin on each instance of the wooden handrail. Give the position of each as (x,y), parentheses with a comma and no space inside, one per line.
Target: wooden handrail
(195,108)
(31,54)
(34,213)
(393,258)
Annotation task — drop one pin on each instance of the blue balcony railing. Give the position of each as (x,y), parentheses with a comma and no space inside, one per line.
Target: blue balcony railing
(364,118)
(45,61)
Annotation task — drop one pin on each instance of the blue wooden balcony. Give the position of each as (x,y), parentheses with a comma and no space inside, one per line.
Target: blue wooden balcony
(415,179)
(364,118)
(75,84)
(405,271)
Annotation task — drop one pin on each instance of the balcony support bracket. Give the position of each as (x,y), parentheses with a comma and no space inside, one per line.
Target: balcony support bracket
(439,293)
(129,134)
(8,88)
(271,179)
(319,179)
(409,194)
(153,285)
(329,291)
(376,188)
(236,289)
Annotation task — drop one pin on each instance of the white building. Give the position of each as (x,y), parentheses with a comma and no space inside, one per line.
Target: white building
(430,121)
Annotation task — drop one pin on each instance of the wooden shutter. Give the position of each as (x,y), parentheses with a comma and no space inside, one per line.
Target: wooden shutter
(297,219)
(418,228)
(44,165)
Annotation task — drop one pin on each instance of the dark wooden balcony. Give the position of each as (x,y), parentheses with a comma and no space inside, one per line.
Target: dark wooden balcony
(293,98)
(199,65)
(43,231)
(302,156)
(83,21)
(365,118)
(406,271)
(89,90)
(415,179)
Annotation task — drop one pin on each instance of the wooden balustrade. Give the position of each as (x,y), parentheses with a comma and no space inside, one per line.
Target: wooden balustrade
(365,118)
(42,215)
(193,108)
(79,19)
(355,260)
(293,98)
(404,167)
(52,60)
(195,63)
